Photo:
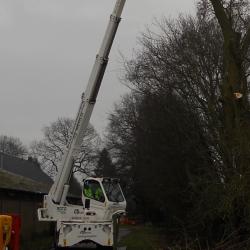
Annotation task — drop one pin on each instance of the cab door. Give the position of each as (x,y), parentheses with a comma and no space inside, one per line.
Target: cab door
(92,190)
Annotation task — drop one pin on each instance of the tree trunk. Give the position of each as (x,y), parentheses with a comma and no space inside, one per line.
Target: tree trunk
(235,134)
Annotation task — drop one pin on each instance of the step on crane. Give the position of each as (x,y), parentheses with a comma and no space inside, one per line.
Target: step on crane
(102,198)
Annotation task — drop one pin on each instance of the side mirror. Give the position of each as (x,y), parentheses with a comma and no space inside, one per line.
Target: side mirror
(87,204)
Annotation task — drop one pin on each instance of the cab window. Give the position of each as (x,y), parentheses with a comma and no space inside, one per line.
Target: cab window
(113,190)
(92,190)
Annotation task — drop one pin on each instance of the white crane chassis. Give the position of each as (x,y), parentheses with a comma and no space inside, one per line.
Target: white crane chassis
(92,222)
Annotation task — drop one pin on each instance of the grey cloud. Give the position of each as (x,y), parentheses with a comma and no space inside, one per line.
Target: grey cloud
(47,49)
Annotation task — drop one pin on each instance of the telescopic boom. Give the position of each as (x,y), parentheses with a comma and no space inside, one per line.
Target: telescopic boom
(59,189)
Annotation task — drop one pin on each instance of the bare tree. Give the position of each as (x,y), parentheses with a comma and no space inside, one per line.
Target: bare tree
(234,19)
(12,146)
(50,149)
(204,62)
(183,57)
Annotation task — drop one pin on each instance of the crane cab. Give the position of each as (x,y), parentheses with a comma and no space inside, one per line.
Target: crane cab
(104,196)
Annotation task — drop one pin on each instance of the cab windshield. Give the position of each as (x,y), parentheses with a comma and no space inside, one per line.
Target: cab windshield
(112,190)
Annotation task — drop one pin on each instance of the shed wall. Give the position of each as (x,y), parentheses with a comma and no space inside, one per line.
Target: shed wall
(24,204)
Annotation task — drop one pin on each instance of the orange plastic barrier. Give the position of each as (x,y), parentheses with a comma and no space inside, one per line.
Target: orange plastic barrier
(126,221)
(5,231)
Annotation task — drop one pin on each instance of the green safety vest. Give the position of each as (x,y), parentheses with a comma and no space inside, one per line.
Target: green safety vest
(88,193)
(98,194)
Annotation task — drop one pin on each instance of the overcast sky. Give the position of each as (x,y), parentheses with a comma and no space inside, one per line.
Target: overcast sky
(47,50)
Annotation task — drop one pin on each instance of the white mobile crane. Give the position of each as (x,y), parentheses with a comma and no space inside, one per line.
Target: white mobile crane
(102,197)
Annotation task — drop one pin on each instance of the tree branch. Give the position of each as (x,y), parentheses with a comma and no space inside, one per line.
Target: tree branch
(246,42)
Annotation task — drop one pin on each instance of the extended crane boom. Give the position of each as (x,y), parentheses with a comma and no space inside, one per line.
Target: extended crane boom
(59,190)
(102,198)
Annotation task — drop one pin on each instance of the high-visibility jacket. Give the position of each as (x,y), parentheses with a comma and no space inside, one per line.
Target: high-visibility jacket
(98,194)
(88,193)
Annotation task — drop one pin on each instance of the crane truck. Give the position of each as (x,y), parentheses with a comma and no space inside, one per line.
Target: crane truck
(102,198)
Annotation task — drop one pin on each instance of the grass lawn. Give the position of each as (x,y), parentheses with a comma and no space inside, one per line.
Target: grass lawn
(144,238)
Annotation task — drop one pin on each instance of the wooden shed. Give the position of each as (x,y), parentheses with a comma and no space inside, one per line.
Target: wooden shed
(22,195)
(22,187)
